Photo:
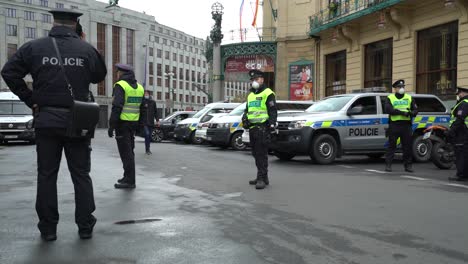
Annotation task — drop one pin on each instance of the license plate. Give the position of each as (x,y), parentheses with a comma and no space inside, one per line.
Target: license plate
(427,135)
(11,136)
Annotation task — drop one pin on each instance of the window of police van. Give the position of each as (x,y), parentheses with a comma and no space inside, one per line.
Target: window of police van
(330,104)
(368,104)
(425,104)
(14,108)
(238,111)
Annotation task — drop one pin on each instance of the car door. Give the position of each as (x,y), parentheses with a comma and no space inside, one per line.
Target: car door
(363,128)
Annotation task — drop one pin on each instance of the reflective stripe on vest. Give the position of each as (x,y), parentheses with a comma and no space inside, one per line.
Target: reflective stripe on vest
(258,112)
(453,117)
(403,104)
(133,99)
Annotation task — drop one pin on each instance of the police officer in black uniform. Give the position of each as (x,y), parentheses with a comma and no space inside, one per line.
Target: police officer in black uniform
(126,106)
(401,108)
(260,118)
(51,100)
(458,134)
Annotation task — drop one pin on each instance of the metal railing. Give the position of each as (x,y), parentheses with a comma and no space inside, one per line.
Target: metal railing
(351,9)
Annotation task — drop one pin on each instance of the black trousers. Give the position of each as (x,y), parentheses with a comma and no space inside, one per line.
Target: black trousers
(259,140)
(125,136)
(403,131)
(49,145)
(461,160)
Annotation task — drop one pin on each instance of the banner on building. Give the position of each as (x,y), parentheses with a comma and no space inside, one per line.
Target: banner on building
(238,67)
(301,80)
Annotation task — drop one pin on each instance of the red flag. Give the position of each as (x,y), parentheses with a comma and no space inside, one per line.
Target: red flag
(254,23)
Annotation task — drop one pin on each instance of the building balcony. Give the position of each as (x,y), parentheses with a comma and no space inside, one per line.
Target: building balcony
(340,12)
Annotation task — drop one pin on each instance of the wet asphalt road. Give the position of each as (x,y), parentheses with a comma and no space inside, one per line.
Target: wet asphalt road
(202,210)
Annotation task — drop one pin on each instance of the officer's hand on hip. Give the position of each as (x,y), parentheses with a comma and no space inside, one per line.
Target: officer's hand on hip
(110,132)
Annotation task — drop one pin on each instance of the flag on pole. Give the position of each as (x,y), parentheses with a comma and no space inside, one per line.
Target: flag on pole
(254,23)
(240,21)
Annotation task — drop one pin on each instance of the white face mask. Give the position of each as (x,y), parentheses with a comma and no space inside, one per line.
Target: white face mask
(401,91)
(146,96)
(458,98)
(255,85)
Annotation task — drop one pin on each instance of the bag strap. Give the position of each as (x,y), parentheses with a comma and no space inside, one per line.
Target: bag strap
(59,56)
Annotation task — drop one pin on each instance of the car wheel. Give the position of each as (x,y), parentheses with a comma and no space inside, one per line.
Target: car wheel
(324,149)
(236,141)
(195,140)
(422,149)
(284,155)
(156,135)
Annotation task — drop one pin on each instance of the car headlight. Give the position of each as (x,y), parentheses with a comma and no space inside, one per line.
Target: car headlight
(226,125)
(297,124)
(29,124)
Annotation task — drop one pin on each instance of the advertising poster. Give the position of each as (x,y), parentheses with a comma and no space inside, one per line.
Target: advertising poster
(238,67)
(301,82)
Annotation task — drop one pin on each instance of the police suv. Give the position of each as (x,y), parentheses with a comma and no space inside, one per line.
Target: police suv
(353,124)
(228,131)
(16,120)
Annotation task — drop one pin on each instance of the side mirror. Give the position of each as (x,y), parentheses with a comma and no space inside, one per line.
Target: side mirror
(206,118)
(355,110)
(174,121)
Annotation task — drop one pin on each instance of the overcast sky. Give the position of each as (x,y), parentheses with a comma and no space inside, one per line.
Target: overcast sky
(194,16)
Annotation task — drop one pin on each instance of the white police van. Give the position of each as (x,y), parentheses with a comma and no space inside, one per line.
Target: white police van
(353,124)
(185,129)
(228,131)
(16,120)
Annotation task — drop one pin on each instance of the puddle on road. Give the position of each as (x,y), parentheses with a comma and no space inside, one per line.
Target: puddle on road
(137,221)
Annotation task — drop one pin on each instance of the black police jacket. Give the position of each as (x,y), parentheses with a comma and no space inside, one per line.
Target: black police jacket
(118,100)
(82,62)
(148,112)
(392,111)
(458,131)
(270,104)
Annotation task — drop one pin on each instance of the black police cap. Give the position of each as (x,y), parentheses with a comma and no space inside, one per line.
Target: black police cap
(255,74)
(398,83)
(462,89)
(123,67)
(65,14)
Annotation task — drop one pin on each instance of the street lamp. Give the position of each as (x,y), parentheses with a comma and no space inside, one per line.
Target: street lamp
(169,75)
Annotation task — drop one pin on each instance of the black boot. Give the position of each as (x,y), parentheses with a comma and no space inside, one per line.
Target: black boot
(409,168)
(388,167)
(253,182)
(124,185)
(121,180)
(260,184)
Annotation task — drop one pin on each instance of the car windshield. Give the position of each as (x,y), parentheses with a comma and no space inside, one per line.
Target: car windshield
(330,104)
(170,117)
(14,108)
(238,111)
(201,112)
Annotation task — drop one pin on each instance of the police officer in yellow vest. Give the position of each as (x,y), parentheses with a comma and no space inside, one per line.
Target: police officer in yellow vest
(127,99)
(401,109)
(260,118)
(458,134)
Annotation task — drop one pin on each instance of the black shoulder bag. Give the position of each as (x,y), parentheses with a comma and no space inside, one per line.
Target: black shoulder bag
(84,116)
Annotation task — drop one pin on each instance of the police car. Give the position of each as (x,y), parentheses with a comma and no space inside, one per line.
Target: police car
(228,131)
(16,120)
(352,124)
(185,129)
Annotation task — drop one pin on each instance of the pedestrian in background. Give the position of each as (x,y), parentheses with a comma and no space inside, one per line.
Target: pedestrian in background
(51,101)
(125,115)
(401,109)
(148,114)
(260,118)
(458,134)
